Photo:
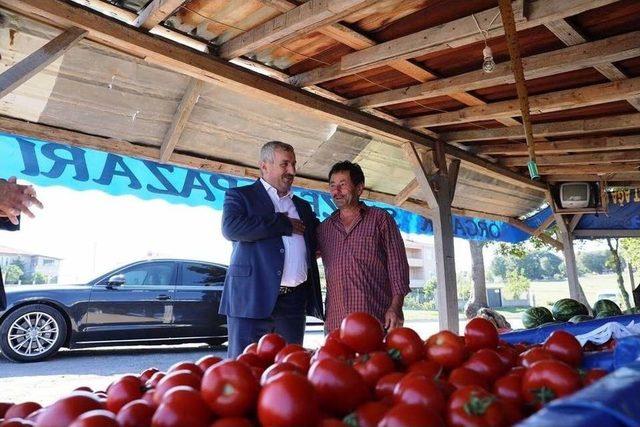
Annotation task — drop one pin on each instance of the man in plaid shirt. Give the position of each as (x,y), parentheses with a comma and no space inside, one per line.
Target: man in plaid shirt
(363,254)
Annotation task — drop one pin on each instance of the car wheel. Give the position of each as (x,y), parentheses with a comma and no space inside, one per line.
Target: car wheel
(32,333)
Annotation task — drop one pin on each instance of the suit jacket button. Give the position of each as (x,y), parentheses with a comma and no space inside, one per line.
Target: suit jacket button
(279,273)
(282,250)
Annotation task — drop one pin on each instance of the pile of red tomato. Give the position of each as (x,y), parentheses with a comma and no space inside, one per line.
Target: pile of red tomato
(359,377)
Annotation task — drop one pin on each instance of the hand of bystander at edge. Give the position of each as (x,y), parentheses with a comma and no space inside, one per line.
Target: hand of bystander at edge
(16,199)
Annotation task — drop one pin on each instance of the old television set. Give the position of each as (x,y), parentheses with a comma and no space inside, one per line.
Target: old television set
(577,195)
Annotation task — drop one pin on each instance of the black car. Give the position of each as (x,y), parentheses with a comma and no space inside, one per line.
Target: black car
(165,301)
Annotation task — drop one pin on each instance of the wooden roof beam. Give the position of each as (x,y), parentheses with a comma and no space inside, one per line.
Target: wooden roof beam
(304,18)
(578,159)
(548,102)
(586,145)
(213,70)
(39,60)
(571,58)
(571,36)
(456,33)
(566,128)
(156,12)
(180,118)
(598,169)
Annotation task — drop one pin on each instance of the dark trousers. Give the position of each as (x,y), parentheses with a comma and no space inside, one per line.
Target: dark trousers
(3,297)
(287,319)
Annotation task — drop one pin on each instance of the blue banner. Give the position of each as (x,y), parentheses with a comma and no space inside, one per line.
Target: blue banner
(623,212)
(46,164)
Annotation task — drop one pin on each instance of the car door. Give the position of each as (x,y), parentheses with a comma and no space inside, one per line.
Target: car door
(139,308)
(197,299)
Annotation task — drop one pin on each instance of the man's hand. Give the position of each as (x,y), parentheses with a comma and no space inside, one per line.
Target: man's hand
(393,318)
(298,226)
(16,199)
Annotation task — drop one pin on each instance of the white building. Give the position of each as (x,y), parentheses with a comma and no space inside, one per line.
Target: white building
(33,263)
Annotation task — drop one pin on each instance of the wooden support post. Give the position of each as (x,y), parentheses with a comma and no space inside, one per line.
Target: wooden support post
(575,290)
(38,60)
(438,187)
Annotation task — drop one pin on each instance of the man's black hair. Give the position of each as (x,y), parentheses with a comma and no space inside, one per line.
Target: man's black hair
(354,169)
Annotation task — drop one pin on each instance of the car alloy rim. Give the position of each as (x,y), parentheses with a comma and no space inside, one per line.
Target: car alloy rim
(33,334)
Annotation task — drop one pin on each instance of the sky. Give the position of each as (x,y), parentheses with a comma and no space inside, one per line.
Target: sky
(94,232)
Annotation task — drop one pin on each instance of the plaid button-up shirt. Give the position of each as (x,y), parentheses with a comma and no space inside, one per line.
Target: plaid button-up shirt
(365,266)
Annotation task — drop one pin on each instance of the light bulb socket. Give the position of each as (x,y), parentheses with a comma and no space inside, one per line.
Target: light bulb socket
(487,53)
(488,65)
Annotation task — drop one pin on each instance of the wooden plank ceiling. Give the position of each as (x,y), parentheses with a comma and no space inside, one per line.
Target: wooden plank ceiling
(414,64)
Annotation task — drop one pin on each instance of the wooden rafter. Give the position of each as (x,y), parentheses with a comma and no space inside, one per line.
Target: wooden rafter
(409,190)
(213,70)
(156,12)
(304,18)
(579,159)
(585,145)
(452,34)
(600,169)
(38,60)
(571,58)
(566,128)
(180,118)
(571,36)
(545,224)
(549,102)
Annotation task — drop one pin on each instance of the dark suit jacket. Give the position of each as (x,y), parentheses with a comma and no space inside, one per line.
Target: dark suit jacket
(5,224)
(249,220)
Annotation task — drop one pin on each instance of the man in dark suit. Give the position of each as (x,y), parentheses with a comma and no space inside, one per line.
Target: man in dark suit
(15,199)
(272,281)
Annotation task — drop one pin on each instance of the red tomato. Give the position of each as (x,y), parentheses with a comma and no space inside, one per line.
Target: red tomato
(83,388)
(474,406)
(289,400)
(417,390)
(332,348)
(512,412)
(154,380)
(63,412)
(189,366)
(123,391)
(361,332)
(480,333)
(565,347)
(17,422)
(148,397)
(427,368)
(340,387)
(509,388)
(517,370)
(206,361)
(252,359)
(548,379)
(301,359)
(462,377)
(174,379)
(406,343)
(333,335)
(403,415)
(446,349)
(182,406)
(373,366)
(386,385)
(4,407)
(230,389)
(251,348)
(508,356)
(287,349)
(369,414)
(533,355)
(275,369)
(146,375)
(487,363)
(593,375)
(232,422)
(520,347)
(135,414)
(331,422)
(96,418)
(257,372)
(21,410)
(269,345)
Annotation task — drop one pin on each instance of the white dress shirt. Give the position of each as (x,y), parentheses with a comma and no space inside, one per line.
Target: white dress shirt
(295,250)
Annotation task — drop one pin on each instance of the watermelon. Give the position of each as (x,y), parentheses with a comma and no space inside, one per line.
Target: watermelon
(566,308)
(535,316)
(607,308)
(580,318)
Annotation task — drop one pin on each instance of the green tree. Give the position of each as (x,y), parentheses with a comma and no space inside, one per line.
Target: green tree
(617,264)
(13,274)
(499,266)
(39,278)
(517,284)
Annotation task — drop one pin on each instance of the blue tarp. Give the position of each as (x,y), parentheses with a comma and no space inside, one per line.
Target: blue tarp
(47,164)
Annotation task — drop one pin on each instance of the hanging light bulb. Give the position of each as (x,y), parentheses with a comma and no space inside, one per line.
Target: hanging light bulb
(488,65)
